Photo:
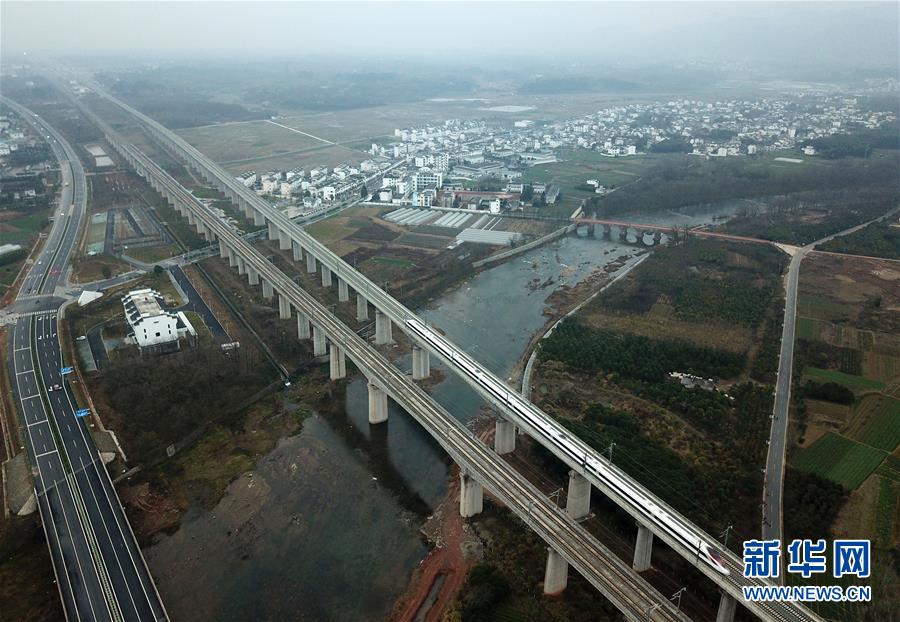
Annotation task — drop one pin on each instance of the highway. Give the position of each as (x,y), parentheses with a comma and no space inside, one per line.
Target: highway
(510,405)
(100,572)
(614,578)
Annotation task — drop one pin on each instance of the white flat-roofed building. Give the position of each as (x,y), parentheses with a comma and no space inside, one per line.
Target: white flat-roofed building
(154,328)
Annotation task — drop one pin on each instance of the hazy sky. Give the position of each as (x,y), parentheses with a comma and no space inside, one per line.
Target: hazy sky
(850,33)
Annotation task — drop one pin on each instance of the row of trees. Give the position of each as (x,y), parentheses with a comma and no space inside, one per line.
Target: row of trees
(683,181)
(633,356)
(878,240)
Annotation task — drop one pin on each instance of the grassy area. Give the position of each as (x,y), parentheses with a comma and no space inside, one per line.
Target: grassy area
(18,230)
(153,254)
(852,382)
(8,274)
(840,459)
(203,332)
(205,193)
(394,261)
(97,267)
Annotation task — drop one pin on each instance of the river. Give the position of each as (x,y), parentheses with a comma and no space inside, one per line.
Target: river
(326,527)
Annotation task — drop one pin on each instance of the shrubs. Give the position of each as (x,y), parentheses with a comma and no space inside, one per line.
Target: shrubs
(828,391)
(635,357)
(486,589)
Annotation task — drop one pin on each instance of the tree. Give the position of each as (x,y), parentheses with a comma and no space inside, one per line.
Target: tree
(527,193)
(157,269)
(106,271)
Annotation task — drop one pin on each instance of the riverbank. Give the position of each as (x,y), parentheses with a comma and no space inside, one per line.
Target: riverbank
(566,302)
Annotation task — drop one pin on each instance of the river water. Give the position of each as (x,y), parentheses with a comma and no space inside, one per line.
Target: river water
(326,527)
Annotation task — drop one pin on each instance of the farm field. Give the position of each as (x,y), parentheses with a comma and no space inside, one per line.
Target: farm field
(848,333)
(232,141)
(848,380)
(840,459)
(876,422)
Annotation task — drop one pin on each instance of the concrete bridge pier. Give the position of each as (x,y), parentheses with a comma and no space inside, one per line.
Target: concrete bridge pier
(362,308)
(578,497)
(284,307)
(337,362)
(319,345)
(232,258)
(382,328)
(273,230)
(303,329)
(643,548)
(592,230)
(556,574)
(326,276)
(191,220)
(504,436)
(657,238)
(471,495)
(253,278)
(284,240)
(623,234)
(242,266)
(421,363)
(607,231)
(223,251)
(297,250)
(378,408)
(244,206)
(310,263)
(268,290)
(258,219)
(727,606)
(343,290)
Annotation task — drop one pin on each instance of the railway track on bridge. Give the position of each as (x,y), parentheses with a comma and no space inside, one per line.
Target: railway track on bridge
(290,235)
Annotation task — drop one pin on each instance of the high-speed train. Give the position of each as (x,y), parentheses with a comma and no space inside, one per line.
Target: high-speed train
(563,441)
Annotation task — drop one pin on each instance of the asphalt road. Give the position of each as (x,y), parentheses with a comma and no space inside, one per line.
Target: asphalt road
(100,571)
(774,480)
(198,305)
(773,487)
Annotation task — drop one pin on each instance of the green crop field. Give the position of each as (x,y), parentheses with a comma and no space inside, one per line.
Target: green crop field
(848,380)
(841,460)
(890,469)
(807,328)
(877,422)
(823,308)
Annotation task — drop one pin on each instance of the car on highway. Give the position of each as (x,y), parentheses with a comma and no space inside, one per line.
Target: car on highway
(55,387)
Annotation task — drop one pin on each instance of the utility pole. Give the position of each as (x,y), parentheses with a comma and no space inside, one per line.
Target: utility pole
(676,597)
